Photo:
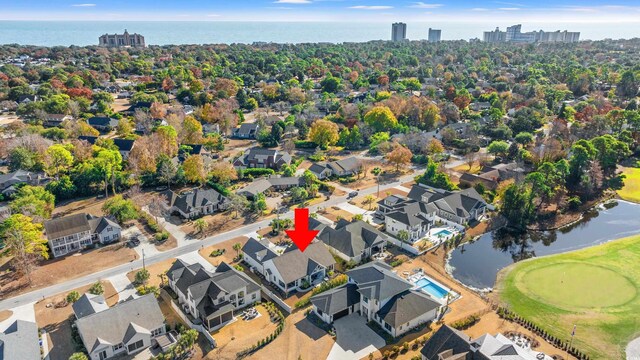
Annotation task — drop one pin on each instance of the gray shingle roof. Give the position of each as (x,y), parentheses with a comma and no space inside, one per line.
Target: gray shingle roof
(350,164)
(337,299)
(195,199)
(67,225)
(446,338)
(353,238)
(20,341)
(406,306)
(258,250)
(295,264)
(89,304)
(376,281)
(111,326)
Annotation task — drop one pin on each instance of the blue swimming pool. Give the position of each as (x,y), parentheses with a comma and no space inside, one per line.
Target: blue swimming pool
(432,288)
(443,232)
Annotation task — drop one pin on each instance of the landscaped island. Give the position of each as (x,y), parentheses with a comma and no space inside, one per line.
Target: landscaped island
(596,289)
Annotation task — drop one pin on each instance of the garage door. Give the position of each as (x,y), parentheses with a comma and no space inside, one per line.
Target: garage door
(340,314)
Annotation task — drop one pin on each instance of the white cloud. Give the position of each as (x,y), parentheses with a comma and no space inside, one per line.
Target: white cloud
(213,15)
(509,9)
(422,5)
(292,2)
(371,7)
(479,9)
(83,5)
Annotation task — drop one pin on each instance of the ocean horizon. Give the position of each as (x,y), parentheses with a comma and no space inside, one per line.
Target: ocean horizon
(84,33)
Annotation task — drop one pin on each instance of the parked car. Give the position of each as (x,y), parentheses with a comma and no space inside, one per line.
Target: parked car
(353,194)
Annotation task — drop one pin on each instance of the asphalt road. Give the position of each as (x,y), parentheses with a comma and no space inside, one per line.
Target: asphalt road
(193,245)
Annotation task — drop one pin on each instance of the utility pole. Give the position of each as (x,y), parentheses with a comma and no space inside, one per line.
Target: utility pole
(143,259)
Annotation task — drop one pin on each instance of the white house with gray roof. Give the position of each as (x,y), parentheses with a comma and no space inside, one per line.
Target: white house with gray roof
(212,297)
(353,241)
(75,232)
(378,294)
(124,329)
(291,271)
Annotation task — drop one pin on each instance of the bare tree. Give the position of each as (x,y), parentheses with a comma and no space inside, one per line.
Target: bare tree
(157,206)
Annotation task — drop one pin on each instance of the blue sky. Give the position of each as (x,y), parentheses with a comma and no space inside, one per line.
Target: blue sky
(559,12)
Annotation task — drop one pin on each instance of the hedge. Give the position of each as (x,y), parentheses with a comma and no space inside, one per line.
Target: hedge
(256,172)
(303,144)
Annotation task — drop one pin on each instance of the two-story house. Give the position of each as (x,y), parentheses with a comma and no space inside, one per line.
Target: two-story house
(353,241)
(246,131)
(9,182)
(124,329)
(262,158)
(212,297)
(379,295)
(195,203)
(291,271)
(55,120)
(76,232)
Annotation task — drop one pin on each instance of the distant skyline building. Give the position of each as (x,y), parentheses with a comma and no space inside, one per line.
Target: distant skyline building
(122,40)
(398,32)
(514,34)
(435,35)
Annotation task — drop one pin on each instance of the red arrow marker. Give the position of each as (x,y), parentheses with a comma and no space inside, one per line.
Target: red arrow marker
(301,235)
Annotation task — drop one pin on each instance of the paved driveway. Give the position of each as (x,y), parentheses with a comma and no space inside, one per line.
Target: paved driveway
(354,339)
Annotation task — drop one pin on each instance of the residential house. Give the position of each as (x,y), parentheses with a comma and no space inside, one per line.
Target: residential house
(212,297)
(124,145)
(102,123)
(76,232)
(187,150)
(246,131)
(55,120)
(425,205)
(378,294)
(9,181)
(124,329)
(491,176)
(20,341)
(140,105)
(353,241)
(450,344)
(345,167)
(480,105)
(291,271)
(262,158)
(196,203)
(272,183)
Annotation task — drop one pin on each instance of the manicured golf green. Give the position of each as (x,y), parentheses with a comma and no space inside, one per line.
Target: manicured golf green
(596,289)
(631,189)
(576,285)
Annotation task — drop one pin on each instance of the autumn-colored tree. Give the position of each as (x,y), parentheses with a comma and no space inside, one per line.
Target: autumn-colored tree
(435,146)
(142,157)
(191,131)
(168,84)
(228,86)
(22,240)
(57,159)
(194,169)
(324,133)
(158,110)
(166,139)
(399,156)
(223,172)
(381,119)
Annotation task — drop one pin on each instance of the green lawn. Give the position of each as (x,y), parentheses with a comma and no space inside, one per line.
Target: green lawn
(631,190)
(596,288)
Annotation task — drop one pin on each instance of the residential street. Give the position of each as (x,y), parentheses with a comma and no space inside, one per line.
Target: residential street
(185,246)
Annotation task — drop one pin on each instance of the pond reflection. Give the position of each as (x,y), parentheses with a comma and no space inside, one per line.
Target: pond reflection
(477,264)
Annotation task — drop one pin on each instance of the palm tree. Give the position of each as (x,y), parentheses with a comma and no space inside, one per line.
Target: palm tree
(403,235)
(237,247)
(200,225)
(369,199)
(376,171)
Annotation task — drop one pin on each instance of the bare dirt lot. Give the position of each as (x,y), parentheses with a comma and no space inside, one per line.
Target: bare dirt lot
(220,223)
(60,270)
(229,254)
(56,320)
(154,271)
(300,339)
(241,334)
(5,314)
(90,205)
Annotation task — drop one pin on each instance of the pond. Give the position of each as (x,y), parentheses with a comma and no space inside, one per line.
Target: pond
(477,264)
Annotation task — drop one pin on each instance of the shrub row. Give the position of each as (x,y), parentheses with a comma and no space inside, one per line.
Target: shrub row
(276,316)
(466,322)
(561,344)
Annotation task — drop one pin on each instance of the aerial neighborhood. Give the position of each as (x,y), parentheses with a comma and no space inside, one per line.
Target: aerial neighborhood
(148,193)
